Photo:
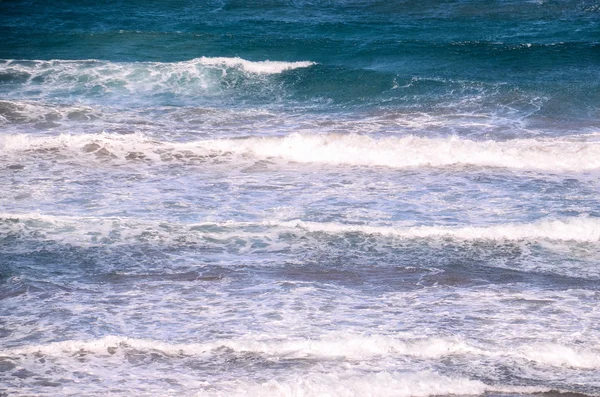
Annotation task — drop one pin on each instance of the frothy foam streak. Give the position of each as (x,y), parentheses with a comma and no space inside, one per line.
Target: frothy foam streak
(94,229)
(356,384)
(570,229)
(259,67)
(413,151)
(140,82)
(559,355)
(353,150)
(353,384)
(97,71)
(334,346)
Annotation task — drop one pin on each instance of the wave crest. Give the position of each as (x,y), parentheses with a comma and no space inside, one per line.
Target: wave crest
(333,346)
(343,150)
(258,67)
(578,229)
(110,230)
(198,78)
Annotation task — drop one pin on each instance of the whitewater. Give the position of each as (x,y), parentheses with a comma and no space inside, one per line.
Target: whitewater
(300,198)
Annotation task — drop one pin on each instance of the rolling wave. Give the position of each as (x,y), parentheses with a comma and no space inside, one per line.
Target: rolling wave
(577,229)
(558,155)
(100,79)
(258,67)
(347,345)
(97,230)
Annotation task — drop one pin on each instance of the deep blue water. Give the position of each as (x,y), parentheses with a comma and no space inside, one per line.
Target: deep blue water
(299,198)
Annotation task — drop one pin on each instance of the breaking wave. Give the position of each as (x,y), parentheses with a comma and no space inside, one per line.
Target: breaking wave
(334,346)
(258,67)
(559,155)
(96,78)
(97,230)
(346,345)
(578,229)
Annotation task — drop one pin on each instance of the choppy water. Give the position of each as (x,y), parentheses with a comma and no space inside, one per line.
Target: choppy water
(300,198)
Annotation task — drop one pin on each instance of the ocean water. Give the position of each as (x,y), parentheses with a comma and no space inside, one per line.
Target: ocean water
(300,198)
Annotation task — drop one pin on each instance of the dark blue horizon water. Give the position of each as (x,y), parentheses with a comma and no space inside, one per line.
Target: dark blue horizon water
(509,53)
(300,198)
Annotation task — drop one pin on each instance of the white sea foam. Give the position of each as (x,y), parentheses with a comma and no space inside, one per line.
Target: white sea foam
(412,151)
(345,379)
(345,345)
(351,383)
(354,383)
(99,76)
(120,145)
(559,355)
(353,150)
(578,229)
(90,230)
(259,67)
(342,382)
(331,346)
(73,66)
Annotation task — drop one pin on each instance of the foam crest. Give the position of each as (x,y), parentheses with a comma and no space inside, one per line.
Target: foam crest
(258,67)
(335,345)
(97,78)
(115,145)
(342,382)
(102,230)
(41,68)
(413,151)
(345,345)
(351,150)
(569,229)
(559,355)
(350,346)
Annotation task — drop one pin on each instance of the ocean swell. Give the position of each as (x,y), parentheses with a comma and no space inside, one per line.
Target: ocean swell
(38,79)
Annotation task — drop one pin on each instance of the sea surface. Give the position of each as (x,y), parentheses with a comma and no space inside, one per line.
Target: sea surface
(300,198)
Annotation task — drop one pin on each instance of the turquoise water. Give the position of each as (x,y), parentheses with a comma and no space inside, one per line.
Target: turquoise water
(299,198)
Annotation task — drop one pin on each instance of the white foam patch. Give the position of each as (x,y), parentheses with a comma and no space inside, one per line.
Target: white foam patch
(411,151)
(114,146)
(143,76)
(101,230)
(336,345)
(259,67)
(578,229)
(559,155)
(561,356)
(353,383)
(93,231)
